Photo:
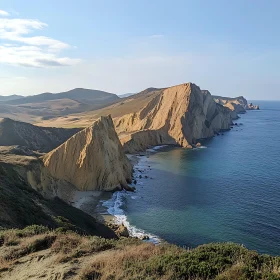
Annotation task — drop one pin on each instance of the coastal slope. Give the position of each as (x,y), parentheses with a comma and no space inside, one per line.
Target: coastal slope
(25,254)
(92,159)
(23,206)
(42,139)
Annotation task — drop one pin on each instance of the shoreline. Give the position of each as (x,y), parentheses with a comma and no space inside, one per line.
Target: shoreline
(106,207)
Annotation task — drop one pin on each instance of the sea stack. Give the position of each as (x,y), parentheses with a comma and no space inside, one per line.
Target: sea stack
(92,159)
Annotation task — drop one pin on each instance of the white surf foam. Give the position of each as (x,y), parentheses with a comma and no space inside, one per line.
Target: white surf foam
(115,208)
(115,205)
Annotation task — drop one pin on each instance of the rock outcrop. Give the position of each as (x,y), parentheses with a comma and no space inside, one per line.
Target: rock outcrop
(92,159)
(35,138)
(179,115)
(237,105)
(251,106)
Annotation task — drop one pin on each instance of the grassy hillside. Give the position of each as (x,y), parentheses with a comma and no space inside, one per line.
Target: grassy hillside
(31,136)
(22,206)
(80,94)
(10,97)
(37,252)
(127,105)
(47,105)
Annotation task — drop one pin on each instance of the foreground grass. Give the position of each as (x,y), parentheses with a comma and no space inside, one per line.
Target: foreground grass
(130,258)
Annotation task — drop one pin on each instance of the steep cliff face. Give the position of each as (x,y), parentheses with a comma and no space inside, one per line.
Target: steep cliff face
(180,115)
(237,105)
(92,159)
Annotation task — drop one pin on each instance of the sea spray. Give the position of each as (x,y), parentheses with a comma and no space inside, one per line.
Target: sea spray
(115,207)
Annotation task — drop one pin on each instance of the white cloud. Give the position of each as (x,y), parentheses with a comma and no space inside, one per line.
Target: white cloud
(19,48)
(33,56)
(4,13)
(156,36)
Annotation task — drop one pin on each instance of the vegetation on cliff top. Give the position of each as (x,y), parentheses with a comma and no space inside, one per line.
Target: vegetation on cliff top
(92,257)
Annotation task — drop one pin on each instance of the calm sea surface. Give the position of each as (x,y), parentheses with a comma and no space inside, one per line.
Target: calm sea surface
(229,191)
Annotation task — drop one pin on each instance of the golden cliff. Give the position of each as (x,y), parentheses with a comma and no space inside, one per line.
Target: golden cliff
(179,115)
(92,159)
(237,105)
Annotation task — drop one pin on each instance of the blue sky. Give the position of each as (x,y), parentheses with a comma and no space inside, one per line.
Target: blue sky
(229,47)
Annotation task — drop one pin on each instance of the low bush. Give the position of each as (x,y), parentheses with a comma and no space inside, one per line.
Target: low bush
(129,258)
(212,261)
(30,245)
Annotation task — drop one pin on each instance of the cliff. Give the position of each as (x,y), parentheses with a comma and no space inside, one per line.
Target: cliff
(237,105)
(36,138)
(92,159)
(23,206)
(179,115)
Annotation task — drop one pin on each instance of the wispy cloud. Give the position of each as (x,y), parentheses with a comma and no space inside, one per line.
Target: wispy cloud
(32,56)
(19,48)
(4,13)
(155,36)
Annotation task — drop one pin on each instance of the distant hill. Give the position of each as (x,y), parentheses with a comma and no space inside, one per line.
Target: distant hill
(36,138)
(143,92)
(10,97)
(87,96)
(47,105)
(125,95)
(124,106)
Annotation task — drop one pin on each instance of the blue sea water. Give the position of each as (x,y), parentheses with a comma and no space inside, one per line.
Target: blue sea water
(228,191)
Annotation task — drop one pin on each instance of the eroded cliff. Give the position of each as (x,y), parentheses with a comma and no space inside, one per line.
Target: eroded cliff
(92,159)
(237,105)
(180,115)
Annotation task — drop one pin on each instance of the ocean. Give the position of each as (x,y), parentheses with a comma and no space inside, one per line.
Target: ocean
(226,191)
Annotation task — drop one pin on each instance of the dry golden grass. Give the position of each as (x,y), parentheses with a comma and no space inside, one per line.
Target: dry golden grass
(92,257)
(125,263)
(73,246)
(26,246)
(233,273)
(125,106)
(66,243)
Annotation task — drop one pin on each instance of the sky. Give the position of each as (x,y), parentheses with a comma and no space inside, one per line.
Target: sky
(229,47)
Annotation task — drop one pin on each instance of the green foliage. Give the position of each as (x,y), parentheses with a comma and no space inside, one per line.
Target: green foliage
(32,230)
(11,237)
(130,258)
(209,261)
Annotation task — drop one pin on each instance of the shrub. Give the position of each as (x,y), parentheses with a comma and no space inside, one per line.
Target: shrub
(66,243)
(30,245)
